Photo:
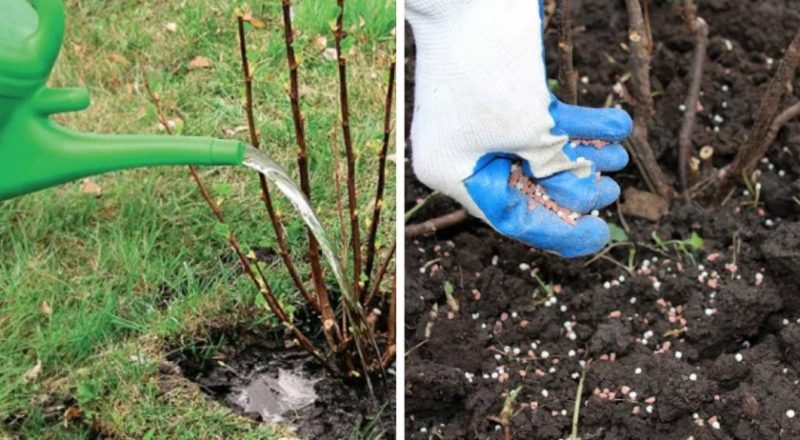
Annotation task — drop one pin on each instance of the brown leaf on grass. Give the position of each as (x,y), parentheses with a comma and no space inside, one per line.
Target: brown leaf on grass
(90,187)
(72,413)
(34,372)
(321,42)
(46,309)
(117,58)
(248,17)
(199,62)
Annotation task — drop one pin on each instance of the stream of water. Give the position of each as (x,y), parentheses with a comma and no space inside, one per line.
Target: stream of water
(260,162)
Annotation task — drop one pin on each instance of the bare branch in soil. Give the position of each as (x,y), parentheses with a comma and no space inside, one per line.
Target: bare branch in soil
(329,326)
(567,76)
(378,204)
(391,349)
(640,61)
(429,227)
(265,191)
(756,147)
(344,100)
(692,100)
(261,283)
(382,268)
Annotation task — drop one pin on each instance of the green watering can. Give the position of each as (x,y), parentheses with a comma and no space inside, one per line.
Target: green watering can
(37,153)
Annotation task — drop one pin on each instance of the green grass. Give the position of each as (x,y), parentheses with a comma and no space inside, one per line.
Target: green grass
(102,265)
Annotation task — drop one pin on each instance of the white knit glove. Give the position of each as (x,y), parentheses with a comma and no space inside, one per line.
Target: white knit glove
(482,95)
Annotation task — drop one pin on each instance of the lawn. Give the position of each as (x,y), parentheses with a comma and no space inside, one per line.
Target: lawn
(94,289)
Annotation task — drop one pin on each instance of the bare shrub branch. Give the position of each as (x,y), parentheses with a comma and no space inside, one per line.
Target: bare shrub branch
(378,203)
(693,98)
(261,283)
(344,102)
(329,326)
(640,62)
(756,145)
(274,218)
(567,76)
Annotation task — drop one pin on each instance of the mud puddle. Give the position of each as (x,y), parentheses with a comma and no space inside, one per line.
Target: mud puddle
(262,378)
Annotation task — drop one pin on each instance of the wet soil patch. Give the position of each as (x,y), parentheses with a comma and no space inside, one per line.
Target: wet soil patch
(685,345)
(261,377)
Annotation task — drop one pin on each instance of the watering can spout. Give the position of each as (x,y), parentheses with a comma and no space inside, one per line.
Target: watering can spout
(35,151)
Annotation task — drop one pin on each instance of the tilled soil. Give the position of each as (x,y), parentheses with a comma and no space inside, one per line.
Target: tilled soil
(680,344)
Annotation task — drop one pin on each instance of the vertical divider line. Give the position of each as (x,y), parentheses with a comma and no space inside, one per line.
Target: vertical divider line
(400,253)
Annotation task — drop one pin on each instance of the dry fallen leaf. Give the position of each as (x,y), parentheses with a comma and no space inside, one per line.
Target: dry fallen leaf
(199,63)
(34,372)
(46,309)
(90,187)
(321,42)
(116,58)
(248,17)
(72,413)
(643,204)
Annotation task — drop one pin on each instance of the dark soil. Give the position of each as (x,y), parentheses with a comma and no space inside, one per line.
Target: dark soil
(702,345)
(231,358)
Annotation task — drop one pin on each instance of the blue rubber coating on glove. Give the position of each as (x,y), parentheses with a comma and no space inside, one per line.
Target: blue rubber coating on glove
(508,212)
(582,195)
(612,157)
(606,124)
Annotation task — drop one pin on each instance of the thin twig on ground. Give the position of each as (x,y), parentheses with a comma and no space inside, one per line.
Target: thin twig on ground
(756,146)
(692,100)
(429,227)
(640,62)
(567,76)
(378,203)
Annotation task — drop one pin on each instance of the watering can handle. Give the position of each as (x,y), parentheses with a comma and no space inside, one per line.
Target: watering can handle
(29,60)
(35,151)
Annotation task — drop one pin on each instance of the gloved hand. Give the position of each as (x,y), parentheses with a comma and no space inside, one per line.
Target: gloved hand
(488,132)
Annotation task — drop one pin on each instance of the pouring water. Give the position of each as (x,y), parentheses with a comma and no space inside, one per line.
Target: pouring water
(260,162)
